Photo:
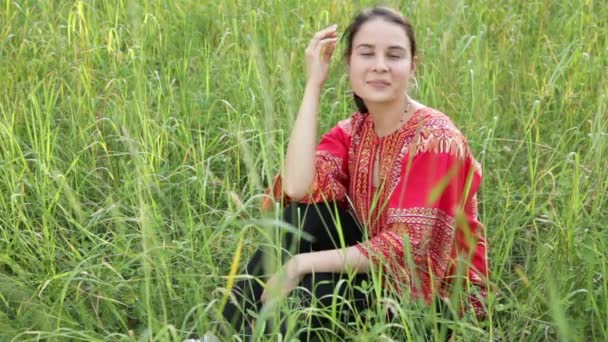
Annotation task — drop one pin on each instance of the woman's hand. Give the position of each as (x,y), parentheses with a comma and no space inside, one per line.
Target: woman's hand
(284,281)
(318,54)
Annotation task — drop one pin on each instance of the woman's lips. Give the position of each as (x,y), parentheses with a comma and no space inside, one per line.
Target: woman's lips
(378,84)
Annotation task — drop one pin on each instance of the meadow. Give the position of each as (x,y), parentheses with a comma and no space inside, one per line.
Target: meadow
(137,139)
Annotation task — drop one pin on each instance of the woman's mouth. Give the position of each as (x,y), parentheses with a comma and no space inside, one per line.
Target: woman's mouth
(378,84)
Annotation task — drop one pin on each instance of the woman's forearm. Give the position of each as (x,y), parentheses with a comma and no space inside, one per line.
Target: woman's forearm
(300,159)
(335,261)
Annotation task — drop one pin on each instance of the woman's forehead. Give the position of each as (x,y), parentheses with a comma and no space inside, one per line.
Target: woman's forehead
(381,33)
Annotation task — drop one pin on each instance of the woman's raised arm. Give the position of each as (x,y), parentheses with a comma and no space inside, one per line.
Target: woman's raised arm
(300,159)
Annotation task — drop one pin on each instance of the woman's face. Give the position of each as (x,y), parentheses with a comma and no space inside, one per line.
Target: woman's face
(380,64)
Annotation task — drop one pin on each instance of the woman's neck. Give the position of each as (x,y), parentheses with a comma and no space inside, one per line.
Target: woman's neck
(389,116)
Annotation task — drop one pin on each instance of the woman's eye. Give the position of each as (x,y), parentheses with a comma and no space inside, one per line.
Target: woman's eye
(394,56)
(367,54)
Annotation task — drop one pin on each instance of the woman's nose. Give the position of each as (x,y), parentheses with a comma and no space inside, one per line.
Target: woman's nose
(380,64)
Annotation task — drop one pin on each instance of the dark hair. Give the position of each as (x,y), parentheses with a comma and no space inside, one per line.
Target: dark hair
(384,13)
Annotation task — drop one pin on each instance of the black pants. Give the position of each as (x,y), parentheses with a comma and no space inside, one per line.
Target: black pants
(317,221)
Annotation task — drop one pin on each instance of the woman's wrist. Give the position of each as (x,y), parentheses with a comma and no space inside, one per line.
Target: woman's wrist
(313,85)
(298,265)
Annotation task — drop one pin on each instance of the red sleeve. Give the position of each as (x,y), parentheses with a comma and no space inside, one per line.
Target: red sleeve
(330,182)
(434,207)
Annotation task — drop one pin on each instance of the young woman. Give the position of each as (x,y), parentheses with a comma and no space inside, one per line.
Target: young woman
(400,173)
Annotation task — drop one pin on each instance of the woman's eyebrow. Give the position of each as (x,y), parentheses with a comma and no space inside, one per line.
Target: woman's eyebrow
(371,46)
(364,45)
(396,47)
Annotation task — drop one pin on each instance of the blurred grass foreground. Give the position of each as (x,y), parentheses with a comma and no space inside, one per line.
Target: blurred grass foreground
(136,138)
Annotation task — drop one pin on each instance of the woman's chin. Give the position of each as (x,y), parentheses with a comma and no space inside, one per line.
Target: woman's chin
(378,98)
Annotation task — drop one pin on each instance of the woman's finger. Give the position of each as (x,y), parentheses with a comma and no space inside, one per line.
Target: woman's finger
(325,33)
(329,51)
(326,46)
(314,43)
(329,40)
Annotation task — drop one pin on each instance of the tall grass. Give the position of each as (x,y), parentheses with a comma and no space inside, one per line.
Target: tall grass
(137,136)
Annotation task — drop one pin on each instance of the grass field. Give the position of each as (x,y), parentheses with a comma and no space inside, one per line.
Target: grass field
(136,138)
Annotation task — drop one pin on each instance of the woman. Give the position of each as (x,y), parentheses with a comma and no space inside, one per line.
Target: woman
(402,169)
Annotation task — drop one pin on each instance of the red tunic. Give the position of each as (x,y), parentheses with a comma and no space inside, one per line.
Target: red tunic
(427,195)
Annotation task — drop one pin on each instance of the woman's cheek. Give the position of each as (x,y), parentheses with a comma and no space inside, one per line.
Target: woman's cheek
(359,84)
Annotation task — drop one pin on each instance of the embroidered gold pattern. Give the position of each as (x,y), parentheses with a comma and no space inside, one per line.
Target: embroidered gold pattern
(430,231)
(329,182)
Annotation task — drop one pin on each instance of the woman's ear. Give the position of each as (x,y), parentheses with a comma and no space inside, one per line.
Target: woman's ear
(414,65)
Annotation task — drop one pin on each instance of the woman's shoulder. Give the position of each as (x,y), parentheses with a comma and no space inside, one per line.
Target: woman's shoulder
(348,125)
(432,118)
(439,134)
